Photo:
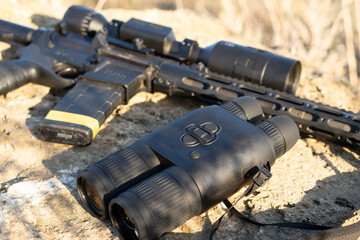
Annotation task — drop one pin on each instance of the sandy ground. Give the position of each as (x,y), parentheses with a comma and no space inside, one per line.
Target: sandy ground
(315,182)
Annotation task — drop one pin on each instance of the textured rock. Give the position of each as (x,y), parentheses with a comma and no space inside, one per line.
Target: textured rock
(315,182)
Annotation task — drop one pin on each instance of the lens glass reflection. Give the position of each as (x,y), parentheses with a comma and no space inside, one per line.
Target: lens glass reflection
(92,197)
(124,223)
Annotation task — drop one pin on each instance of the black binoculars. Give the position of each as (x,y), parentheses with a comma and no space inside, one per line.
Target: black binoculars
(184,168)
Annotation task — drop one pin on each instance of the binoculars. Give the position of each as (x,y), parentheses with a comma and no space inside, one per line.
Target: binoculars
(184,168)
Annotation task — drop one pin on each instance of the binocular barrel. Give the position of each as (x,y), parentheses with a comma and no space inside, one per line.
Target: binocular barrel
(107,178)
(184,168)
(245,63)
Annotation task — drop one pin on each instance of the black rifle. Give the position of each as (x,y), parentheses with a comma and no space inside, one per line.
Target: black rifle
(111,62)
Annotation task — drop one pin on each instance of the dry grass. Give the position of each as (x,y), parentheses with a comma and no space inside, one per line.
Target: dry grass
(324,34)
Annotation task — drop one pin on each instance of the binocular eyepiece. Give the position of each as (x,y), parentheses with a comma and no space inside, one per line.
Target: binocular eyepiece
(184,168)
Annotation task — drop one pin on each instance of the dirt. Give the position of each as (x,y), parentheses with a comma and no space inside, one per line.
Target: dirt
(315,182)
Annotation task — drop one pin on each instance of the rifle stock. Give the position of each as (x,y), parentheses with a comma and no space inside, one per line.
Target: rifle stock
(15,33)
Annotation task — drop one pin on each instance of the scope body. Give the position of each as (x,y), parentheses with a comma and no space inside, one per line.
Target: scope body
(184,168)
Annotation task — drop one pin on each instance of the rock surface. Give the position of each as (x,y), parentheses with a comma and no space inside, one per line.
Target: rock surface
(315,182)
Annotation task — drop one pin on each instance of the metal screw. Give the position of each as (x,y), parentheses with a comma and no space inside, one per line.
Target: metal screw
(194,155)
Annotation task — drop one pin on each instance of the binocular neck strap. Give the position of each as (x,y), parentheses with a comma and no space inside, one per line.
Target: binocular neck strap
(259,180)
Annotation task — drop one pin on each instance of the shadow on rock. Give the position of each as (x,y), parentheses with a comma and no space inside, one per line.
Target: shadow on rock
(332,201)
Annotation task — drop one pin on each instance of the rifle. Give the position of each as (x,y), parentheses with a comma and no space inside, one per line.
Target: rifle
(108,63)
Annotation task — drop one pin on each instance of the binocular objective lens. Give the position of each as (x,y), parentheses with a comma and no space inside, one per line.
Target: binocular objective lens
(91,196)
(123,220)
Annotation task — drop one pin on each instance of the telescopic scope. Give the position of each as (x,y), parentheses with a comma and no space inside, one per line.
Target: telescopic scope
(184,168)
(245,63)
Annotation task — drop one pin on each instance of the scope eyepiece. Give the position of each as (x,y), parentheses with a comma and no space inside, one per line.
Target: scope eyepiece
(83,20)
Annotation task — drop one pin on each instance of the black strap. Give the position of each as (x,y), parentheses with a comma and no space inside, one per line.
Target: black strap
(259,180)
(298,225)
